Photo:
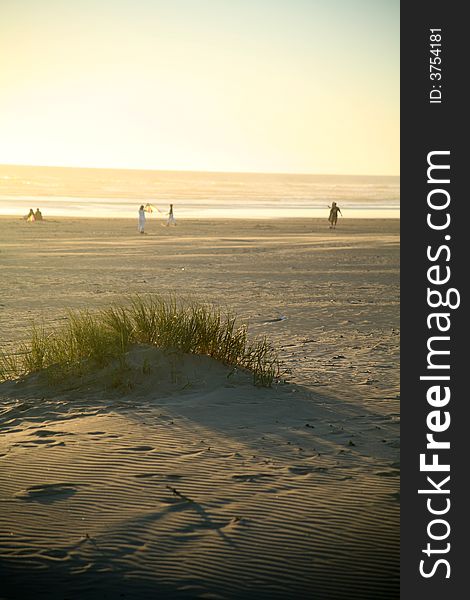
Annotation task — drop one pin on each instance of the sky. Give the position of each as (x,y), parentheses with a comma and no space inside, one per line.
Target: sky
(290,86)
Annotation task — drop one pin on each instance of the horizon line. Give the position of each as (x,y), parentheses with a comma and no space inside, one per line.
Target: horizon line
(196,171)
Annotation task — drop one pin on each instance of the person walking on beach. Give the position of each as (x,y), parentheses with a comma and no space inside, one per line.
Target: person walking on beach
(333,218)
(141,219)
(38,215)
(171,218)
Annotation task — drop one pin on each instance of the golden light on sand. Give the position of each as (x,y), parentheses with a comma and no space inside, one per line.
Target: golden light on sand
(172,471)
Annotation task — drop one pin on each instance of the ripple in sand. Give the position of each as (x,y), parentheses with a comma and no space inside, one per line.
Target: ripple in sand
(252,476)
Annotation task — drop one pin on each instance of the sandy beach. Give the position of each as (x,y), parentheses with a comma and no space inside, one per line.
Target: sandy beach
(193,483)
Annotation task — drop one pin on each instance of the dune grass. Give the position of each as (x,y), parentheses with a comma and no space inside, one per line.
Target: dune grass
(89,341)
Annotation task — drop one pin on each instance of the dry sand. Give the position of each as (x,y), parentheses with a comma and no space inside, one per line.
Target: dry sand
(191,483)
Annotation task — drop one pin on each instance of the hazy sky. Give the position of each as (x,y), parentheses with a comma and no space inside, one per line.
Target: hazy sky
(307,86)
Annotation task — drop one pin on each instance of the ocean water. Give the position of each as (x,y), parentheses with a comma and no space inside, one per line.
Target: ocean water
(118,193)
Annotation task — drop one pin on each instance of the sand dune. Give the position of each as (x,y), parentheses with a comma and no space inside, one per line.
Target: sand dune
(188,481)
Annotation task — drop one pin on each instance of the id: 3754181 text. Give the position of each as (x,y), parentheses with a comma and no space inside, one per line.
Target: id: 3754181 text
(435,66)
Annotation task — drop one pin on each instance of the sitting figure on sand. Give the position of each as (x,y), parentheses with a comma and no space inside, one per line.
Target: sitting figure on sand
(333,218)
(171,217)
(30,216)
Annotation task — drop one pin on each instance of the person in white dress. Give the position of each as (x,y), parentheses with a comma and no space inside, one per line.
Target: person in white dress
(141,219)
(171,217)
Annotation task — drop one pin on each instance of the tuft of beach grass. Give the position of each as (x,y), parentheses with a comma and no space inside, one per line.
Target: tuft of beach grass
(89,341)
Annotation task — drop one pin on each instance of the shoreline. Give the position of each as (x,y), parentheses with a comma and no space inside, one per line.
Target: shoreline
(60,218)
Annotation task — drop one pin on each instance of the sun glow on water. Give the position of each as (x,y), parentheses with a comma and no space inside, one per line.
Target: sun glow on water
(118,193)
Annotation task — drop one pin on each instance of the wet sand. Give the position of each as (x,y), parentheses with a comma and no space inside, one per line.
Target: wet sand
(192,483)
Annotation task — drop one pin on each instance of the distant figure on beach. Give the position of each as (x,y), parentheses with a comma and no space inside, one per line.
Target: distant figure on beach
(333,218)
(38,215)
(141,219)
(171,218)
(30,216)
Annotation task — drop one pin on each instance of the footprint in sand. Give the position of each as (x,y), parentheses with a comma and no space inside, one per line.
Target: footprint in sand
(137,449)
(48,492)
(48,443)
(301,470)
(44,433)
